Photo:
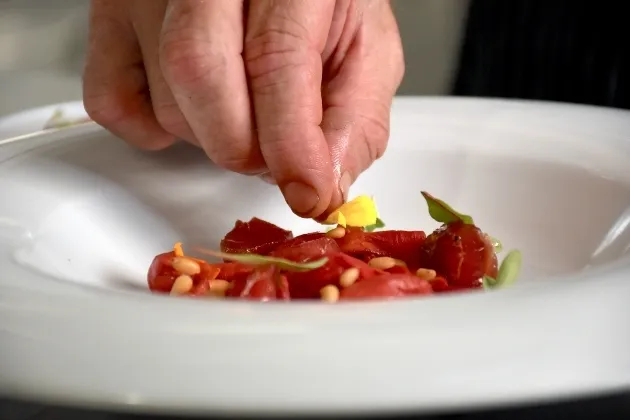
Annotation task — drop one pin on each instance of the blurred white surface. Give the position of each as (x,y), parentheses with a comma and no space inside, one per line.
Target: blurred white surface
(42,45)
(24,90)
(41,52)
(43,34)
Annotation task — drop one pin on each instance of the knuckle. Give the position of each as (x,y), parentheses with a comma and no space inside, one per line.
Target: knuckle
(186,60)
(375,135)
(170,118)
(103,108)
(275,52)
(235,161)
(237,155)
(273,39)
(276,69)
(276,77)
(277,29)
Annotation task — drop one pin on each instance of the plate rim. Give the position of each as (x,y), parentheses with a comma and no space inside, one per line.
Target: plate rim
(126,302)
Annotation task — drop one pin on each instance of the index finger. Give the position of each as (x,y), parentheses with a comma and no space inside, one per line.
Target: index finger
(283,46)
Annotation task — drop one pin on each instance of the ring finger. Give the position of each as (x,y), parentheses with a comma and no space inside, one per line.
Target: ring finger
(148,25)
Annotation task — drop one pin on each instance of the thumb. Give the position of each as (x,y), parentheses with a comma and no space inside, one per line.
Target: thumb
(283,60)
(358,96)
(357,133)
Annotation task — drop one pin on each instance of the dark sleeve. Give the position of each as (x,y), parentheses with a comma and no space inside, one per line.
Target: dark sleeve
(560,50)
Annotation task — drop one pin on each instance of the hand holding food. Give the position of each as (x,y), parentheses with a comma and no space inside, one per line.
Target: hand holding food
(296,91)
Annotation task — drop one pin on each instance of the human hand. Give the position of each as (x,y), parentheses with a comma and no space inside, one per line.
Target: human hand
(297,91)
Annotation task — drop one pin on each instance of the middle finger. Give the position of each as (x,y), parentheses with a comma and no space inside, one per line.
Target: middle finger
(200,55)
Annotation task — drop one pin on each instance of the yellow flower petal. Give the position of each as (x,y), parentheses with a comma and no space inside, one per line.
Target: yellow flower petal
(359,212)
(335,218)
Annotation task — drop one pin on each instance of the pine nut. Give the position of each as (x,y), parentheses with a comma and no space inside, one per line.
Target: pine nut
(400,263)
(426,274)
(218,287)
(382,263)
(182,285)
(349,277)
(329,293)
(186,266)
(337,233)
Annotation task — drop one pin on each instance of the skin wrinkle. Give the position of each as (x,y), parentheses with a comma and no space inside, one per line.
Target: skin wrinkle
(339,148)
(192,60)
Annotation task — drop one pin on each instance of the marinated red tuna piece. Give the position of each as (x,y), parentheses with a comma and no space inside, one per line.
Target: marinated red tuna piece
(387,286)
(161,274)
(263,283)
(232,271)
(461,253)
(310,246)
(254,237)
(404,245)
(399,244)
(440,285)
(306,285)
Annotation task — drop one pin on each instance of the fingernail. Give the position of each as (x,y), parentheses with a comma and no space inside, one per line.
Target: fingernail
(344,185)
(300,197)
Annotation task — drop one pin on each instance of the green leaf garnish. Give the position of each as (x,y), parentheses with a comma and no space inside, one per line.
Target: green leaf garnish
(378,225)
(443,213)
(253,259)
(488,282)
(498,246)
(508,271)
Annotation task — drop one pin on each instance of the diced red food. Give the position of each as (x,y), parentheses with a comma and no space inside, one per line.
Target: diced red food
(398,269)
(161,275)
(387,286)
(200,287)
(263,283)
(306,285)
(308,247)
(282,287)
(232,271)
(440,285)
(461,253)
(400,244)
(254,237)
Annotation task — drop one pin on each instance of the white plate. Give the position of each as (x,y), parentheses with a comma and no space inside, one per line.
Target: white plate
(33,120)
(82,215)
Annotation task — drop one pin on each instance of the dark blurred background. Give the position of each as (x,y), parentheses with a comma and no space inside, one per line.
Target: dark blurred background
(558,50)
